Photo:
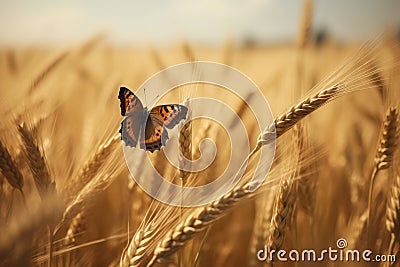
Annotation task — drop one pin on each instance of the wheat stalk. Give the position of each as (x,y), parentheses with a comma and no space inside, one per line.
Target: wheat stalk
(228,52)
(37,162)
(283,210)
(46,71)
(185,146)
(198,221)
(188,52)
(9,169)
(136,252)
(305,186)
(306,192)
(304,33)
(76,226)
(15,243)
(157,59)
(12,62)
(384,153)
(41,175)
(95,186)
(264,208)
(299,111)
(388,141)
(92,166)
(347,79)
(359,232)
(393,215)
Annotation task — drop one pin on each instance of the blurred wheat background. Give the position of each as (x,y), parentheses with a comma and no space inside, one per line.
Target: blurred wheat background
(67,197)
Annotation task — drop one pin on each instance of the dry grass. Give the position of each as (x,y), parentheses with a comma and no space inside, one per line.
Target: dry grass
(83,209)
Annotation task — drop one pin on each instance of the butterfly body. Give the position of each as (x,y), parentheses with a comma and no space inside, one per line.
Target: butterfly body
(145,128)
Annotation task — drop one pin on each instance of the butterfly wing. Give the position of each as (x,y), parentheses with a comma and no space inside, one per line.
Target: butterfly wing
(130,131)
(156,135)
(129,102)
(160,119)
(132,108)
(169,115)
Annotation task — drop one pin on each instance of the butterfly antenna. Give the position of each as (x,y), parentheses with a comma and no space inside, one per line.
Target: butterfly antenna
(155,98)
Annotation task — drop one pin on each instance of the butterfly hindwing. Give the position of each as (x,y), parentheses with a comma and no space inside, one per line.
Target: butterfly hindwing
(160,119)
(130,131)
(156,135)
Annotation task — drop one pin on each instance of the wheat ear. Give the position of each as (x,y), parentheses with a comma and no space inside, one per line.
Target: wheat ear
(75,228)
(8,168)
(384,153)
(195,223)
(387,146)
(135,253)
(263,215)
(41,175)
(359,232)
(92,166)
(305,186)
(304,33)
(393,215)
(283,210)
(37,162)
(46,71)
(95,186)
(299,111)
(185,146)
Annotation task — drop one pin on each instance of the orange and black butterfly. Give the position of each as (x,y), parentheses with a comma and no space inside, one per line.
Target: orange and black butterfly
(158,120)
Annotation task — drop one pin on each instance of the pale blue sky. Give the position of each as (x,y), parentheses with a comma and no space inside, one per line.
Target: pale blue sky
(161,22)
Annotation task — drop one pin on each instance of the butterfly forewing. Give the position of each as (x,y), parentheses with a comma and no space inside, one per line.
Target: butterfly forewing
(129,102)
(132,108)
(169,115)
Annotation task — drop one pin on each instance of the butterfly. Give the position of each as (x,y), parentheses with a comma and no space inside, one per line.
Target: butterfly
(155,123)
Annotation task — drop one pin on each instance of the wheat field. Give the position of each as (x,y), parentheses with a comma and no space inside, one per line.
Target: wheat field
(68,199)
